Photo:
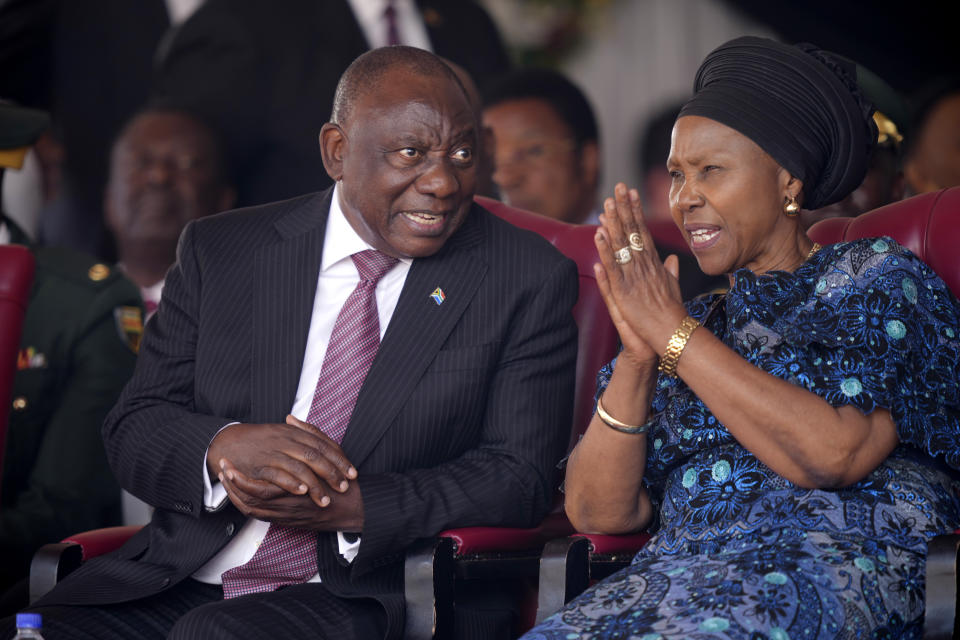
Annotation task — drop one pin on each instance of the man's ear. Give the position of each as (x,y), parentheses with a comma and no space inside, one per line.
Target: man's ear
(333,145)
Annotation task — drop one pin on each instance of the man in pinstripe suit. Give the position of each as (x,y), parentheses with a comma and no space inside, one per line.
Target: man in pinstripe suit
(460,420)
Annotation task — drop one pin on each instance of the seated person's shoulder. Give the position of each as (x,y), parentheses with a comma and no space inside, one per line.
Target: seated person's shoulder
(75,295)
(881,251)
(880,264)
(75,278)
(256,222)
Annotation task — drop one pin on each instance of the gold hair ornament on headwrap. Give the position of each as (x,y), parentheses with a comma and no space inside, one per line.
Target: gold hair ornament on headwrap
(886,130)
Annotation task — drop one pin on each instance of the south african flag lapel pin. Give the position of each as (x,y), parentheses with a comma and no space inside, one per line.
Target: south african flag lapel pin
(438,296)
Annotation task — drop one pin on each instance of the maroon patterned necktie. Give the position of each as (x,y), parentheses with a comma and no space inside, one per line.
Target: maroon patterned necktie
(390,13)
(288,555)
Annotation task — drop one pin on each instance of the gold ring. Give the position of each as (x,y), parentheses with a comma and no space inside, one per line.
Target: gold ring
(636,241)
(622,255)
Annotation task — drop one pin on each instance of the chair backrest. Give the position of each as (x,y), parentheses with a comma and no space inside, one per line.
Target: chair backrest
(928,225)
(16,276)
(598,338)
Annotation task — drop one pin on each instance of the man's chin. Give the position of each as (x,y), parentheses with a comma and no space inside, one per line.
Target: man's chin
(415,246)
(147,235)
(419,245)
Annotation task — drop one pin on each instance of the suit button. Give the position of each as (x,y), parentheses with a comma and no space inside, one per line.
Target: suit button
(19,403)
(230,528)
(165,583)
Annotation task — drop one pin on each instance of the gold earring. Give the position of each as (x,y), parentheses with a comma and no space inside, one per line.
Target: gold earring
(791,207)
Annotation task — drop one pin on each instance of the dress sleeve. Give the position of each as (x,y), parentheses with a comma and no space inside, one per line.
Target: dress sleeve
(895,344)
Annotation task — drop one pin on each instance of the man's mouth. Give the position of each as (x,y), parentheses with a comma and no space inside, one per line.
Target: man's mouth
(425,219)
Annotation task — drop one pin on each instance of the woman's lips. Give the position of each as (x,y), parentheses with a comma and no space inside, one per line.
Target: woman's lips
(702,237)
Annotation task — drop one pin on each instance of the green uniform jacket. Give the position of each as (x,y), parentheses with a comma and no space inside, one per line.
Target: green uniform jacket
(76,353)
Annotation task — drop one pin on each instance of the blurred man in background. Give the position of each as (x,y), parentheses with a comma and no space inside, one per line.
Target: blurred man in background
(933,155)
(166,169)
(546,145)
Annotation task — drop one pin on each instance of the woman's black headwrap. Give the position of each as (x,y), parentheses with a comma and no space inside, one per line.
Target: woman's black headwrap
(798,103)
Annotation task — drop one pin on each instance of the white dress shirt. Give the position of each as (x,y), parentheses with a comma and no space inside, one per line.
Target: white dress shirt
(410,27)
(338,278)
(151,298)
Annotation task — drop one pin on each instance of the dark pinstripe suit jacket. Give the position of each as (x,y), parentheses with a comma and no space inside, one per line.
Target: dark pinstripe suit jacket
(461,420)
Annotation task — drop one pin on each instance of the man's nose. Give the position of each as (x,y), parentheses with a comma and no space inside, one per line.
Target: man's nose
(440,180)
(159,170)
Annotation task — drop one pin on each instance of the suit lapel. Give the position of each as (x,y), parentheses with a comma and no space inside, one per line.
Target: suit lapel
(285,282)
(417,330)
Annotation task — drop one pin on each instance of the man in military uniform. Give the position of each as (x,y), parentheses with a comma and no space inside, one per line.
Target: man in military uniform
(77,350)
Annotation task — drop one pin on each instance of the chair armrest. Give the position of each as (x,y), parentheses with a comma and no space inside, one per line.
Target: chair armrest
(564,574)
(469,541)
(432,567)
(940,620)
(568,565)
(52,562)
(97,542)
(609,544)
(428,589)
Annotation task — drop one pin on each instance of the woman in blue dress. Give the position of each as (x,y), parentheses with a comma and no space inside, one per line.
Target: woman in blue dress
(793,443)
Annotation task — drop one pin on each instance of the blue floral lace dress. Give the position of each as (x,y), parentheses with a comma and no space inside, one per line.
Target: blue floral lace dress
(740,552)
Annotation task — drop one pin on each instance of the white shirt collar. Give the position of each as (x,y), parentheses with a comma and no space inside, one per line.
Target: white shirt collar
(341,241)
(152,293)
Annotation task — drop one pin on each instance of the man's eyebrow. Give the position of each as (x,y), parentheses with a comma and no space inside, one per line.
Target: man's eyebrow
(468,132)
(403,139)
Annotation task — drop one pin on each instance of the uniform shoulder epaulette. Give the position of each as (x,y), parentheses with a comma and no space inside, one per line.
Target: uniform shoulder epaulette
(79,268)
(91,289)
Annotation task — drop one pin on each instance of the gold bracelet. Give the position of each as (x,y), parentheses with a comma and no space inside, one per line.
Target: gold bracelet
(615,424)
(671,356)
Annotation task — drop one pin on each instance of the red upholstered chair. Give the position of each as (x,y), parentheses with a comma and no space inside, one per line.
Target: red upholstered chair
(16,276)
(928,225)
(54,561)
(435,567)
